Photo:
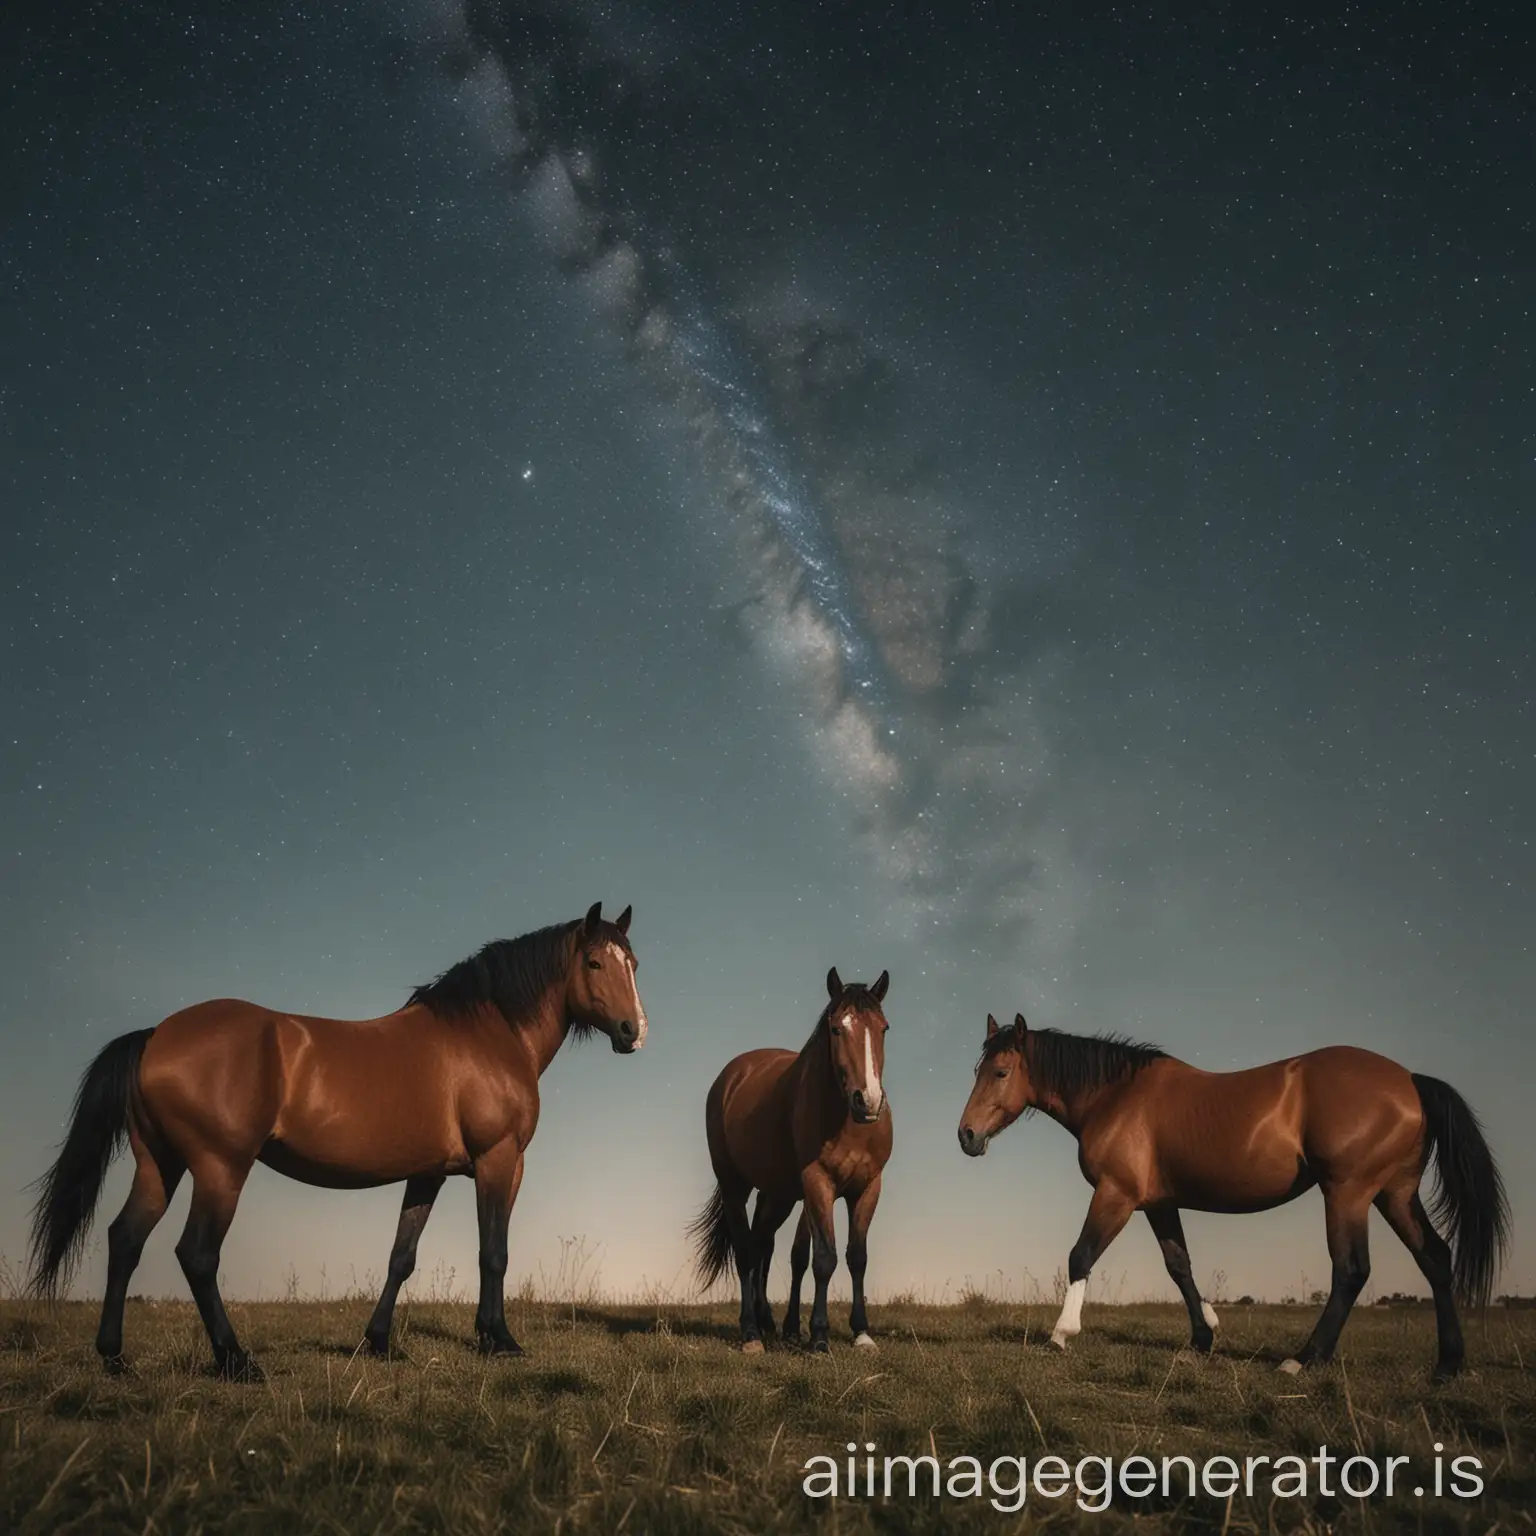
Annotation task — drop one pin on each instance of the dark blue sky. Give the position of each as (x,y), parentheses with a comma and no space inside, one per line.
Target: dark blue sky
(415,441)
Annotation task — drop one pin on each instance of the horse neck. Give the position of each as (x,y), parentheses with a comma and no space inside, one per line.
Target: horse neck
(1071,1113)
(545,1026)
(814,1069)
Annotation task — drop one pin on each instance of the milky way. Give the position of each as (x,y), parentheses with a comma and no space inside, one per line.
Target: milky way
(857,586)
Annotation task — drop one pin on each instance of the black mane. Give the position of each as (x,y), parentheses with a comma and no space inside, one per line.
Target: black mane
(510,974)
(1066,1065)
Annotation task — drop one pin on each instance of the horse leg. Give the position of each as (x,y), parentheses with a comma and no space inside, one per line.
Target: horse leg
(420,1192)
(861,1211)
(498,1175)
(1405,1214)
(799,1262)
(1108,1212)
(766,1221)
(216,1186)
(819,1199)
(1346,1212)
(744,1251)
(1168,1228)
(153,1186)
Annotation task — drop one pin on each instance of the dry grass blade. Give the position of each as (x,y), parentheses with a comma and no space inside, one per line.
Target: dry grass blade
(63,1472)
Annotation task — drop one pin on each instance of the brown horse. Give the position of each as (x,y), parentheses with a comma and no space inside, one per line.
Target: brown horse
(448,1084)
(1157,1135)
(814,1126)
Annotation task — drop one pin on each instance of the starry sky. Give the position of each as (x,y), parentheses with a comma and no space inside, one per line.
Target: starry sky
(1026,497)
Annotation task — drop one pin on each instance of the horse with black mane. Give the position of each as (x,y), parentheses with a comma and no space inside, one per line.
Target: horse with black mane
(1158,1135)
(812,1125)
(448,1084)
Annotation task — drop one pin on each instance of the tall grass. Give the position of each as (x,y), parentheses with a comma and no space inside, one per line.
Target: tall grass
(641,1417)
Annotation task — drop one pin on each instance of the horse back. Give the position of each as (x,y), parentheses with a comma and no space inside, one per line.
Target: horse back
(747,1119)
(750,1084)
(212,1075)
(1255,1138)
(1361,1110)
(332,1101)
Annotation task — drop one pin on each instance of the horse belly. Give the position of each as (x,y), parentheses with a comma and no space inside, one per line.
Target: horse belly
(1257,1182)
(348,1124)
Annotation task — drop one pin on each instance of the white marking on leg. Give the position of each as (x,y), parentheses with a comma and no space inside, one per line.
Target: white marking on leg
(1290,1367)
(863,1341)
(1071,1320)
(1208,1312)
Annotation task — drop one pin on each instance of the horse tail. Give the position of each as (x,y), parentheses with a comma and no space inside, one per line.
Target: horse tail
(1469,1201)
(68,1192)
(711,1234)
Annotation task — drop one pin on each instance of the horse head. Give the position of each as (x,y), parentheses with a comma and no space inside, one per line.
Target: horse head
(856,1029)
(1002,1091)
(601,992)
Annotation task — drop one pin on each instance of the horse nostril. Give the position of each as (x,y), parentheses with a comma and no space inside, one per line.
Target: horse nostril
(967,1136)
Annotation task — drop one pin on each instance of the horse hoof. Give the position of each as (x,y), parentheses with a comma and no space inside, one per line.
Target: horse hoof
(792,1336)
(508,1347)
(1290,1367)
(114,1365)
(1059,1341)
(820,1347)
(863,1341)
(752,1346)
(378,1348)
(239,1367)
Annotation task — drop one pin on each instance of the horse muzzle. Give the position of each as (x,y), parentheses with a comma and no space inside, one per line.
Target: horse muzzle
(864,1108)
(972,1144)
(628,1037)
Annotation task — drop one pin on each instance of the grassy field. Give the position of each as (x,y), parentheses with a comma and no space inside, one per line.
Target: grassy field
(644,1419)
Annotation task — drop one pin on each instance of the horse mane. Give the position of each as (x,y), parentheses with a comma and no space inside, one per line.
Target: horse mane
(510,974)
(1070,1064)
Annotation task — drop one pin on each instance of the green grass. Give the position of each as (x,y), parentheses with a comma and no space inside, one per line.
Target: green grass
(644,1419)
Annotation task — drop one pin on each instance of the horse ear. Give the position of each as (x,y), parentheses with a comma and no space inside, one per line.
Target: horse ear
(622,921)
(991,1026)
(880,988)
(1020,1025)
(594,916)
(834,984)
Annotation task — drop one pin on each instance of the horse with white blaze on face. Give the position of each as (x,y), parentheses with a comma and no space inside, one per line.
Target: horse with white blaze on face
(812,1125)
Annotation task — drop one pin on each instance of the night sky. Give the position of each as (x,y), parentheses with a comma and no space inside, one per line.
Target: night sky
(1035,498)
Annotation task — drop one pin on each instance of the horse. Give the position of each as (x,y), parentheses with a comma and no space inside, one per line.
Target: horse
(447,1084)
(1158,1135)
(813,1125)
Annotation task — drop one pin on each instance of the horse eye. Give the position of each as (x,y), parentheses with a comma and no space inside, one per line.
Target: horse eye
(1001,1072)
(594,965)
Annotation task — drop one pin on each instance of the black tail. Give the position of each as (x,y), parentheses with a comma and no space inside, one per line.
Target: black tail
(712,1241)
(68,1192)
(1469,1201)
